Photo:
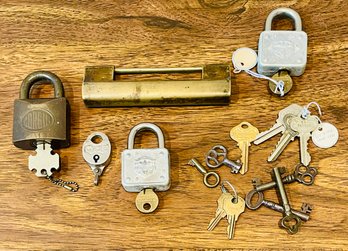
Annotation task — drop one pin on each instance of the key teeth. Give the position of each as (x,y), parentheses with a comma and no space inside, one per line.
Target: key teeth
(278,143)
(306,155)
(306,208)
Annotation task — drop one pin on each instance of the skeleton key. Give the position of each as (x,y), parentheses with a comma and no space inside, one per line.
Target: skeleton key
(304,127)
(217,156)
(278,127)
(302,174)
(290,221)
(244,133)
(288,136)
(303,214)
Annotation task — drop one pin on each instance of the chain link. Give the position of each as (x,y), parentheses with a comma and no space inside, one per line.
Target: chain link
(64,184)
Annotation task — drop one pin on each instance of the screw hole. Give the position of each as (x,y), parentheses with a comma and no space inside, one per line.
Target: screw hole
(97,139)
(43,172)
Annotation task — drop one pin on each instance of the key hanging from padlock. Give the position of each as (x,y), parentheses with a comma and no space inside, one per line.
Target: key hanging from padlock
(282,53)
(42,124)
(146,170)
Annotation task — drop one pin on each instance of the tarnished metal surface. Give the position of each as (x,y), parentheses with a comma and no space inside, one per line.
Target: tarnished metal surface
(101,89)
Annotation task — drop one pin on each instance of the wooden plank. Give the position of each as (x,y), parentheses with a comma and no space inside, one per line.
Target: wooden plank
(66,36)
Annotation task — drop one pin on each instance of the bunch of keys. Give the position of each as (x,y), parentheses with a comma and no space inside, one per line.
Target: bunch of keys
(96,151)
(292,218)
(296,121)
(229,206)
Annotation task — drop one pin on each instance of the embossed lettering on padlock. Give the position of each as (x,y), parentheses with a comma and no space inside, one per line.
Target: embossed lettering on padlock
(145,167)
(43,118)
(282,49)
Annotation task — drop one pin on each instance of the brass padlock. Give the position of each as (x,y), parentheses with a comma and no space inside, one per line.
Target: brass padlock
(101,89)
(43,118)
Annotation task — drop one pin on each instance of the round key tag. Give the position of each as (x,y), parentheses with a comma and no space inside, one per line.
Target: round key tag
(244,59)
(325,136)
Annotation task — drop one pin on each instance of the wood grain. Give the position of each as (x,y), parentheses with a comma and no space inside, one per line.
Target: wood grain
(66,36)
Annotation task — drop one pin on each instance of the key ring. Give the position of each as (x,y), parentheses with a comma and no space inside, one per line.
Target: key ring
(224,190)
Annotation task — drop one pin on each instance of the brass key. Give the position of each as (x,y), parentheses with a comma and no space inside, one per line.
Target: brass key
(285,77)
(244,133)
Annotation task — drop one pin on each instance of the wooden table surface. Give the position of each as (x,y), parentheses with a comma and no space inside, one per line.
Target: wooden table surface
(66,36)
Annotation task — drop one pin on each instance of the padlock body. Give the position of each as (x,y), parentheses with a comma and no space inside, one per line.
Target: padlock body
(41,119)
(145,168)
(279,50)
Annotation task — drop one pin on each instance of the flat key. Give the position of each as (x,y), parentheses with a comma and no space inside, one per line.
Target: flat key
(233,208)
(220,212)
(304,127)
(288,136)
(278,127)
(244,133)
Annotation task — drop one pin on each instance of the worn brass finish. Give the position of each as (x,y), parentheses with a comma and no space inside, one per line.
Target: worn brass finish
(41,119)
(101,89)
(285,77)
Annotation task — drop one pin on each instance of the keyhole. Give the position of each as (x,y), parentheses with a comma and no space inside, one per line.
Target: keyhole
(96,158)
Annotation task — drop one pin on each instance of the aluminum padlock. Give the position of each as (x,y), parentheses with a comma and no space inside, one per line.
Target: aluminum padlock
(282,49)
(43,118)
(146,167)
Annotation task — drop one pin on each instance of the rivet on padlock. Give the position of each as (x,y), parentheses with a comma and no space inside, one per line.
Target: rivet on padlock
(146,168)
(282,49)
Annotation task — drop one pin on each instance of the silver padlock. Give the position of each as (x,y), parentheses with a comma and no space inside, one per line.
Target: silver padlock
(96,151)
(282,49)
(147,167)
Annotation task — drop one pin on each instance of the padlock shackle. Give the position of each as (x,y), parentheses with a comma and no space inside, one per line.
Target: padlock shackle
(287,12)
(145,127)
(41,76)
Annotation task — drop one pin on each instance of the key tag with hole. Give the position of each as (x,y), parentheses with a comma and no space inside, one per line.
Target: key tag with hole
(325,136)
(244,59)
(96,151)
